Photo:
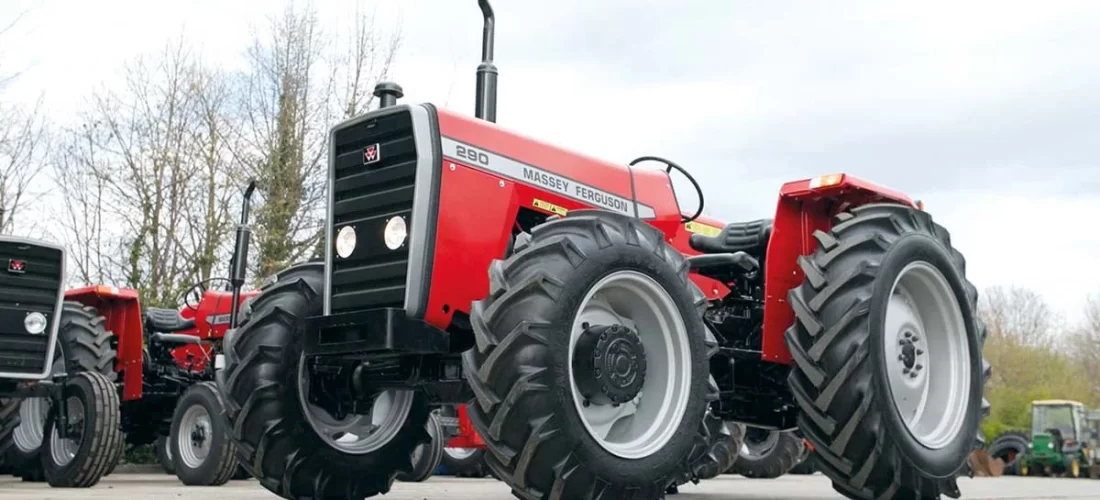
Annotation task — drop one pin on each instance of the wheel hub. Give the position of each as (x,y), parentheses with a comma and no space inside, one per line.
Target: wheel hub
(609,364)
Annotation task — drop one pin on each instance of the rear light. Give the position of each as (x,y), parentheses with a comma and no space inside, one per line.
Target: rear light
(826,181)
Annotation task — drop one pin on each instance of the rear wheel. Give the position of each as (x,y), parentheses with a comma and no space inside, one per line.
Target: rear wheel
(1009,447)
(199,439)
(79,455)
(888,370)
(591,365)
(84,347)
(292,446)
(767,454)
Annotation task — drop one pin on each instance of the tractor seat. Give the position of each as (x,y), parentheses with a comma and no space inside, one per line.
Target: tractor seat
(749,237)
(163,320)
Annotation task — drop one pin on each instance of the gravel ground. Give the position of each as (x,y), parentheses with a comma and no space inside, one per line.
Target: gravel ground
(164,487)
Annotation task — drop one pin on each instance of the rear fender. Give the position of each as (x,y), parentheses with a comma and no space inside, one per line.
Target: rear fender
(804,207)
(122,310)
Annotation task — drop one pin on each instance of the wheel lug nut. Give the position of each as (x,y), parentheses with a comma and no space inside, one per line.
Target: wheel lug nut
(919,366)
(905,370)
(901,342)
(901,357)
(915,338)
(913,374)
(908,334)
(920,351)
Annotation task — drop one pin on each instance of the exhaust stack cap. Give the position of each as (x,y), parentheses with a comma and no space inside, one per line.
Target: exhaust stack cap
(388,93)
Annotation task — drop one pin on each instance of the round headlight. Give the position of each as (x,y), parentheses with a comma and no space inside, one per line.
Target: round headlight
(395,233)
(345,241)
(35,323)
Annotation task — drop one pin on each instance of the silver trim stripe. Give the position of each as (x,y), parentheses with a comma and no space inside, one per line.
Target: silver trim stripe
(467,154)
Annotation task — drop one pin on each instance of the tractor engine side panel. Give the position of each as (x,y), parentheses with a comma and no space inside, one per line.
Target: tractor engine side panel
(488,175)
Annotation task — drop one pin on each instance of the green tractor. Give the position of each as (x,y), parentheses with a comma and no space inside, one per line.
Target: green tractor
(1061,440)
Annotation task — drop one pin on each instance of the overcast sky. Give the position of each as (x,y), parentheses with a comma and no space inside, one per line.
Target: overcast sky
(989,111)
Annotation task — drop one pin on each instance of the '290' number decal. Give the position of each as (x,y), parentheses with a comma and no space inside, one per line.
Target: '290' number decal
(472,154)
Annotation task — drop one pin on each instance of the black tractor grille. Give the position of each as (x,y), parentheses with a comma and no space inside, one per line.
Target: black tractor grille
(30,279)
(367,192)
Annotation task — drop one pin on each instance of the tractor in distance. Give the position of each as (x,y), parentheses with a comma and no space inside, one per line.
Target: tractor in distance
(556,295)
(162,361)
(80,436)
(1061,440)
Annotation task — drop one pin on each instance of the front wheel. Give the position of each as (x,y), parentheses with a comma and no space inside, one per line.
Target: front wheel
(768,454)
(163,453)
(285,437)
(590,368)
(427,456)
(888,370)
(199,440)
(81,453)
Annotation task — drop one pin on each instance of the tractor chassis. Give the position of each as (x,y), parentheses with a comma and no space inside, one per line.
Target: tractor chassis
(363,353)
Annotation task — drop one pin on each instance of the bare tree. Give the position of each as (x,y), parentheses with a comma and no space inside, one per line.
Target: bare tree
(293,93)
(1019,316)
(23,146)
(145,178)
(1085,345)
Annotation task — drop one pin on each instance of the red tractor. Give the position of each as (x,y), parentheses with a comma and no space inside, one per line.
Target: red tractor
(599,335)
(161,360)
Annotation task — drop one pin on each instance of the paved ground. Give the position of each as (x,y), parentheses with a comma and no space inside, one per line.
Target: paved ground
(163,487)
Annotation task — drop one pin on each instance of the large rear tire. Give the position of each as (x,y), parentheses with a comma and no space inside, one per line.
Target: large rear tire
(85,346)
(607,283)
(287,443)
(94,411)
(888,368)
(768,454)
(199,438)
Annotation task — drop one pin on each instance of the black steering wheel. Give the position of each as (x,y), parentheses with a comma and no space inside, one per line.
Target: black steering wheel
(196,291)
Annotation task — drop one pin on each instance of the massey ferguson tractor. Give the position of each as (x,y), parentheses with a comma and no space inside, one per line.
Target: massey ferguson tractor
(79,437)
(162,361)
(601,337)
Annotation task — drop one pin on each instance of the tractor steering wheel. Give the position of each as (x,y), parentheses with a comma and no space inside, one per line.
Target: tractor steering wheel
(196,291)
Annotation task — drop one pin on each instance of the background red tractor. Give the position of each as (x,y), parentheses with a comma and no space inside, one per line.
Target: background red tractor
(162,362)
(600,339)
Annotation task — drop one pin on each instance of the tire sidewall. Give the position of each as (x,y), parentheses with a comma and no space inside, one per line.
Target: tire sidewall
(199,395)
(943,462)
(599,265)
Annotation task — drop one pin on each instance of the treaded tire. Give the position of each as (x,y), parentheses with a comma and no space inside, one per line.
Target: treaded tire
(85,347)
(274,441)
(1005,444)
(775,462)
(806,466)
(99,446)
(839,376)
(725,441)
(241,474)
(163,454)
(430,454)
(221,462)
(518,369)
(472,466)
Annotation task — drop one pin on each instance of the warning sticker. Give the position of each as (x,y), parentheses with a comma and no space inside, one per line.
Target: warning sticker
(703,229)
(550,207)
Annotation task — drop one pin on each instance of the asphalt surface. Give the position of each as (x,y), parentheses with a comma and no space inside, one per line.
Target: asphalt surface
(164,487)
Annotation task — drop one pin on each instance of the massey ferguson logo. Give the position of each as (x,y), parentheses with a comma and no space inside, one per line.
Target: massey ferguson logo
(372,154)
(17,266)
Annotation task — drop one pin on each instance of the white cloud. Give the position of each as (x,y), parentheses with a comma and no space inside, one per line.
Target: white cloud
(979,108)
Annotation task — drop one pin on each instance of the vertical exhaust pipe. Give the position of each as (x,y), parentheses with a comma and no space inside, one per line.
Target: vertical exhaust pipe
(486,105)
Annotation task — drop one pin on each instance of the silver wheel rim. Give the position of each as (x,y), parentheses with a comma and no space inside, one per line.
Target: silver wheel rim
(168,452)
(31,432)
(460,453)
(927,355)
(357,434)
(645,425)
(195,435)
(758,443)
(63,450)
